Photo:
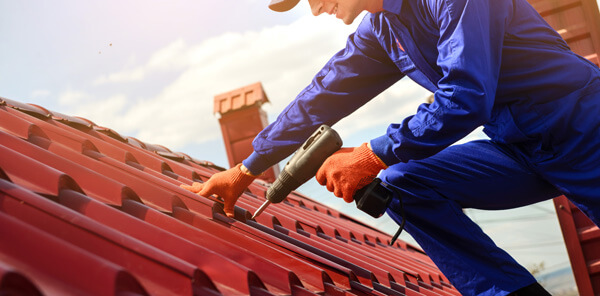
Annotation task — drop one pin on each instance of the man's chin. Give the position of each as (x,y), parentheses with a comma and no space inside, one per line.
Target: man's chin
(347,20)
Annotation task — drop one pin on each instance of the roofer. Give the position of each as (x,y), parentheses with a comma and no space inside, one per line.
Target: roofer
(494,63)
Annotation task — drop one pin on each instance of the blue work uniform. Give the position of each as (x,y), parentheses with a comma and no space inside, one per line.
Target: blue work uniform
(494,63)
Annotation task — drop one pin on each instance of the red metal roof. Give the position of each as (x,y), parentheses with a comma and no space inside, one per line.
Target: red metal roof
(87,211)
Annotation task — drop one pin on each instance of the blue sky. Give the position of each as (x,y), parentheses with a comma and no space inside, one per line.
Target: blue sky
(150,69)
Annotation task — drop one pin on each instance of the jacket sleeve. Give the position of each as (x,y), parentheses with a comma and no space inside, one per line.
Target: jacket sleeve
(348,80)
(469,49)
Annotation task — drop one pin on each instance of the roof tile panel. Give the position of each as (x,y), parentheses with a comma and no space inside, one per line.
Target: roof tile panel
(310,272)
(75,122)
(14,283)
(31,109)
(131,216)
(34,175)
(214,264)
(55,266)
(157,270)
(92,183)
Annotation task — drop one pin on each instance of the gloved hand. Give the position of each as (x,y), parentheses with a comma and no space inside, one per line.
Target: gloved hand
(228,185)
(348,170)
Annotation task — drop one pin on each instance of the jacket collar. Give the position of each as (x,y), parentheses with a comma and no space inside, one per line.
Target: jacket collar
(393,6)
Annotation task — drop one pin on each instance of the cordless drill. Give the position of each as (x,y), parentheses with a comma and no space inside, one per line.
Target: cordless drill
(372,199)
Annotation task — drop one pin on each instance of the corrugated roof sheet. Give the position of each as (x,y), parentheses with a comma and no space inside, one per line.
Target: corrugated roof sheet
(86,211)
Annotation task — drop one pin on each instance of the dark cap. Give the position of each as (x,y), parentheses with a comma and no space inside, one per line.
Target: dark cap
(282,5)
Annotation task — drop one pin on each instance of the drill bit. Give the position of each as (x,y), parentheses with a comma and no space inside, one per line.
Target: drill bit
(261,209)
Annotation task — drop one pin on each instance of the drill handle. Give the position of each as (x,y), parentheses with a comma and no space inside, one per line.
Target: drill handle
(375,198)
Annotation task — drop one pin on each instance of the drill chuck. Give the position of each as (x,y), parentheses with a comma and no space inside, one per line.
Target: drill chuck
(282,187)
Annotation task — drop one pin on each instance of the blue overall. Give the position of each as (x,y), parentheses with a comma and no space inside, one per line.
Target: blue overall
(494,63)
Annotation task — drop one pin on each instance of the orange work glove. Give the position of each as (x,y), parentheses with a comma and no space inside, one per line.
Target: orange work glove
(228,185)
(348,170)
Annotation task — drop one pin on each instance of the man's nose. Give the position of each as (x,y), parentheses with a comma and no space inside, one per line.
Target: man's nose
(316,7)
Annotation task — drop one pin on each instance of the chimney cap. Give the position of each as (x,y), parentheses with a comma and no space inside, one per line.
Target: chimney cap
(240,98)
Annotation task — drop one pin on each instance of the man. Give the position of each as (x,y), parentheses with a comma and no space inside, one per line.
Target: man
(494,63)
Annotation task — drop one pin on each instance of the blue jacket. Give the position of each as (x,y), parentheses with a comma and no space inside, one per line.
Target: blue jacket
(494,63)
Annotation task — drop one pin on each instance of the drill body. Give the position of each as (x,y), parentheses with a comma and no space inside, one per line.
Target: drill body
(372,199)
(305,163)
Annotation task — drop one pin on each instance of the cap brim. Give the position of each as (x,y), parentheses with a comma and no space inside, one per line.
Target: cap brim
(282,5)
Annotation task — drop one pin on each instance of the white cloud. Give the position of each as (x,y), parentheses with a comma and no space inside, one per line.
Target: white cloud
(131,75)
(284,58)
(40,93)
(172,56)
(102,112)
(391,106)
(72,97)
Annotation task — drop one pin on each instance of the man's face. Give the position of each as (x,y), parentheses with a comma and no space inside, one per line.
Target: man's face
(346,10)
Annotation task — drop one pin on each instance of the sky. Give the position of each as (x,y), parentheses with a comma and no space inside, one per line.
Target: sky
(150,69)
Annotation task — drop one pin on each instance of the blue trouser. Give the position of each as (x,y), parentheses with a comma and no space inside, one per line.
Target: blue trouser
(488,175)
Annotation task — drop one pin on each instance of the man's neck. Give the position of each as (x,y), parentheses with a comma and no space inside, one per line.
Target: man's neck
(374,5)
